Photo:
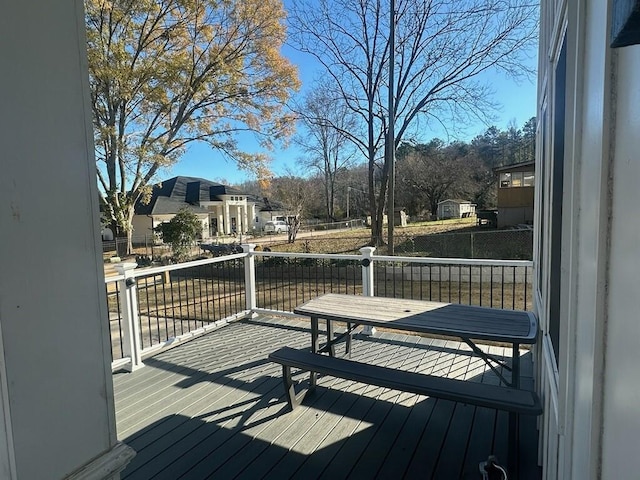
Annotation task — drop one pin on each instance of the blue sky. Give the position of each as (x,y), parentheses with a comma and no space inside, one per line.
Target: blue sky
(517,100)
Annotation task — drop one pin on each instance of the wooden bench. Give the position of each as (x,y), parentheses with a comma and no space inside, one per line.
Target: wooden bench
(479,394)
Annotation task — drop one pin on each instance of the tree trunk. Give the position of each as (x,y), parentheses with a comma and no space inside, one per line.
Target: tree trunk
(130,211)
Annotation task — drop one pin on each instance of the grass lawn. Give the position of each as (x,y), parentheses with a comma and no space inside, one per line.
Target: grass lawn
(350,241)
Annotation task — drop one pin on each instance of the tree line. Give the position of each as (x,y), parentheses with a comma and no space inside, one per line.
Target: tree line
(426,174)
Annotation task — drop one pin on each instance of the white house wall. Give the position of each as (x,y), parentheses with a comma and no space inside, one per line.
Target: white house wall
(591,423)
(53,313)
(142,226)
(620,457)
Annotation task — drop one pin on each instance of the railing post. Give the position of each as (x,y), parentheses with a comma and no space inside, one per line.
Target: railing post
(131,342)
(367,280)
(250,277)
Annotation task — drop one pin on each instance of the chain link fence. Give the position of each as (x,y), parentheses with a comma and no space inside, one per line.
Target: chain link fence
(495,244)
(514,244)
(142,245)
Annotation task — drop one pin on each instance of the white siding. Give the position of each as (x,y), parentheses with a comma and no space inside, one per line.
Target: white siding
(621,458)
(52,304)
(142,225)
(592,422)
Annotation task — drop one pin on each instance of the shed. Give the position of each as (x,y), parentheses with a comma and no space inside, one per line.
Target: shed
(455,208)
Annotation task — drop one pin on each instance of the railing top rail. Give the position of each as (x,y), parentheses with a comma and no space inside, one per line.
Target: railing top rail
(113,278)
(394,258)
(330,256)
(179,266)
(455,261)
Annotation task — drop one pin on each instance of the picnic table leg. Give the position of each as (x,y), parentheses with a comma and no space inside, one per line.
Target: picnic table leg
(514,418)
(347,348)
(314,349)
(332,348)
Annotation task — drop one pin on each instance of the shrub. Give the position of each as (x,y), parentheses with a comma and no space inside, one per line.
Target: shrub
(180,232)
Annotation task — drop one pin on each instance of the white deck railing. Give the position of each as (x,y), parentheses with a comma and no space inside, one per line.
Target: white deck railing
(154,308)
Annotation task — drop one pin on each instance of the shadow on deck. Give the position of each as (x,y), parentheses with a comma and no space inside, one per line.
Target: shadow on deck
(215,408)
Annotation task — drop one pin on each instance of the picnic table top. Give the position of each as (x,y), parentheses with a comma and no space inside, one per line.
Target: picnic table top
(464,321)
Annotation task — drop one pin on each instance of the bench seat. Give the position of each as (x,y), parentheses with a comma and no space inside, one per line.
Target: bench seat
(479,394)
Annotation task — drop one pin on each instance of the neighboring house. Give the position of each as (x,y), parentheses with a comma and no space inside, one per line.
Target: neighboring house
(455,208)
(223,210)
(516,187)
(267,211)
(400,218)
(107,234)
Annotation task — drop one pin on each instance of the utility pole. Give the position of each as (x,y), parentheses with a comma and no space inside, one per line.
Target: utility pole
(391,146)
(348,190)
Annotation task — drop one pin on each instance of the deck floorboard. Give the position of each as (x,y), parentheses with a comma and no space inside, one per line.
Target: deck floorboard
(215,407)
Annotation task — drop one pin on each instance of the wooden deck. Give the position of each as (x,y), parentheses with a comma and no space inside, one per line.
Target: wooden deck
(215,408)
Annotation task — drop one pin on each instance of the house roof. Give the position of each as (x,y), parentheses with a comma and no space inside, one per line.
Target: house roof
(514,166)
(171,195)
(266,205)
(455,200)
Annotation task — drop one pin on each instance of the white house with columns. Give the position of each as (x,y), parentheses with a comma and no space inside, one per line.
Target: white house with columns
(223,210)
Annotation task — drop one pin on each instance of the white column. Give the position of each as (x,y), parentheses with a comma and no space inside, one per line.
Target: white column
(239,224)
(221,225)
(367,280)
(245,220)
(227,219)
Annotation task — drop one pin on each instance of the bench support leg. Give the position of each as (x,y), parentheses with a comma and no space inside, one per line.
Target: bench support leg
(514,419)
(513,450)
(314,347)
(293,400)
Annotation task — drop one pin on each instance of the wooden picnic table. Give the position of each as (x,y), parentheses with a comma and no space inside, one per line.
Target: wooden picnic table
(467,322)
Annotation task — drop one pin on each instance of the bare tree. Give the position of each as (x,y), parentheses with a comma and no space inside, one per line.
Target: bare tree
(325,118)
(442,48)
(434,172)
(293,194)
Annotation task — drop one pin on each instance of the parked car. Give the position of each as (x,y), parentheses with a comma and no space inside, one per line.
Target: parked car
(276,226)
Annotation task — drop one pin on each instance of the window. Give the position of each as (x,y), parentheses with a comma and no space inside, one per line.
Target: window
(516,179)
(505,180)
(557,169)
(528,179)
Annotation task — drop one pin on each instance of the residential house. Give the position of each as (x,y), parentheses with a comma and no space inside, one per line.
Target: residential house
(267,211)
(455,208)
(223,210)
(516,186)
(56,394)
